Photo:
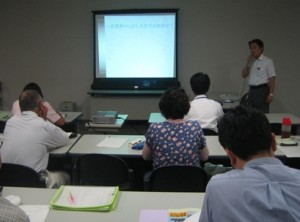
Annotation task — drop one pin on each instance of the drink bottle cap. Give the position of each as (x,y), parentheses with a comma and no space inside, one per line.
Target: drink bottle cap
(286,121)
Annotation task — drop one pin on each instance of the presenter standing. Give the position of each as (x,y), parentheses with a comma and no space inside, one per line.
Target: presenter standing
(261,72)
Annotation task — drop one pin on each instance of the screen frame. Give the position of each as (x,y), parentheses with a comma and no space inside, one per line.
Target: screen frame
(134,83)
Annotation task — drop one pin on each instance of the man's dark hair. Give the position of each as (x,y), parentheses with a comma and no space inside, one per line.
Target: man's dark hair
(245,131)
(34,86)
(200,83)
(258,42)
(29,100)
(174,103)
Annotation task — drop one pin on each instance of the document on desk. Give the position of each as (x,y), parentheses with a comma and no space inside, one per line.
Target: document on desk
(112,142)
(85,198)
(171,215)
(288,146)
(36,213)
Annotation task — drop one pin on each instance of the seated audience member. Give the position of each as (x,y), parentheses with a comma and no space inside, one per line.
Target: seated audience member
(30,137)
(10,212)
(206,111)
(52,115)
(175,141)
(260,188)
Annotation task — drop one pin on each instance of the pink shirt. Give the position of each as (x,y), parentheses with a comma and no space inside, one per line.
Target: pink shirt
(52,115)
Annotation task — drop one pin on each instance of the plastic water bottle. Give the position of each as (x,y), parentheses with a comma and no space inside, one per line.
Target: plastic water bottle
(286,127)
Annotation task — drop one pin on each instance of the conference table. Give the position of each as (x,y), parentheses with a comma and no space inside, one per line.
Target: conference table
(275,118)
(62,151)
(128,207)
(91,143)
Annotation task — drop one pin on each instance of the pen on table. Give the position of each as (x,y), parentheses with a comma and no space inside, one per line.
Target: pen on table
(71,198)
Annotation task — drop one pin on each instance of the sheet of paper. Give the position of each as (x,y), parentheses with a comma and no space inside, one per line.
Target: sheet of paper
(112,142)
(194,218)
(148,215)
(85,196)
(187,215)
(290,151)
(36,213)
(176,215)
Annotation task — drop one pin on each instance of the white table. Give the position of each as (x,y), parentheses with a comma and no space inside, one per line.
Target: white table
(64,149)
(291,151)
(105,127)
(277,118)
(128,207)
(71,117)
(272,117)
(88,144)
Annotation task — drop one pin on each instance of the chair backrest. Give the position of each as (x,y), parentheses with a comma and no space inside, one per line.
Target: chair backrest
(103,170)
(16,175)
(209,132)
(178,178)
(244,100)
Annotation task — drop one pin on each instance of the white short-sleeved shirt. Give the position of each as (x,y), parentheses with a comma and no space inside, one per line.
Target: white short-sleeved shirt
(28,139)
(261,70)
(52,115)
(206,111)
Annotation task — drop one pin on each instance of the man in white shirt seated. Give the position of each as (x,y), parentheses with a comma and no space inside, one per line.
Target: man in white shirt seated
(30,137)
(206,111)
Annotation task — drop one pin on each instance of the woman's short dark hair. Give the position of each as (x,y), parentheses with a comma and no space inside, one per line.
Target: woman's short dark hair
(200,83)
(174,103)
(33,86)
(245,131)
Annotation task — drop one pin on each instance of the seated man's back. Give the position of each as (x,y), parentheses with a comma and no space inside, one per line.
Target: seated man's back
(261,187)
(206,111)
(28,140)
(265,190)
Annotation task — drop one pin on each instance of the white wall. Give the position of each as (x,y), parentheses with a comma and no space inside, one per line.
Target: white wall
(51,42)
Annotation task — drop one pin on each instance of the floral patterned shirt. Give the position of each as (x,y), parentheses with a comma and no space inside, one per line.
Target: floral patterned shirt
(175,143)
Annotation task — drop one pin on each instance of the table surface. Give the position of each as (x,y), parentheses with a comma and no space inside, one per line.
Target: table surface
(70,117)
(128,207)
(290,151)
(88,144)
(277,118)
(64,149)
(272,117)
